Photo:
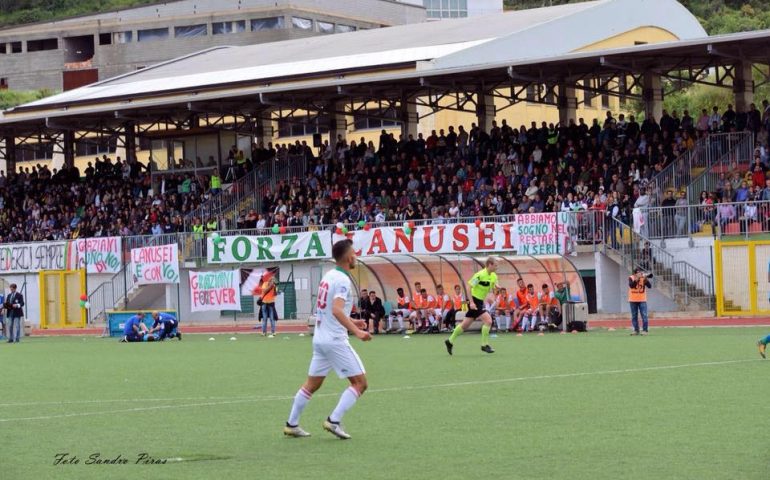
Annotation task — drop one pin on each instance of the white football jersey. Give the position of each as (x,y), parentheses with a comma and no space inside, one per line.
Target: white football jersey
(335,284)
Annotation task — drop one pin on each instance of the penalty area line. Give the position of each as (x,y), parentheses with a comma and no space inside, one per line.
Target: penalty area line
(403,388)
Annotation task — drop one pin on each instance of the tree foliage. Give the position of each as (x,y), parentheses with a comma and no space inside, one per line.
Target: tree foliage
(15,12)
(11,98)
(716,16)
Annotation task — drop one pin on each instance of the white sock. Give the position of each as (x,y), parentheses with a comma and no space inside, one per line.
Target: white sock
(347,400)
(507,322)
(400,322)
(300,400)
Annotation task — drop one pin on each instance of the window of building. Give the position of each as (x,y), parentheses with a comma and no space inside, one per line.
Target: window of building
(42,45)
(187,31)
(3,83)
(15,47)
(105,39)
(2,49)
(151,34)
(35,151)
(345,28)
(302,23)
(325,27)
(92,146)
(364,122)
(123,37)
(301,126)
(271,23)
(446,8)
(224,28)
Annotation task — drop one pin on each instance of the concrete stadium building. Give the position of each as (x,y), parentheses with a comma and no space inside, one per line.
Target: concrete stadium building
(66,54)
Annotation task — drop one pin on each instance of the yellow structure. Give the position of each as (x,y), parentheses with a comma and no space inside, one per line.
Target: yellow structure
(742,277)
(60,292)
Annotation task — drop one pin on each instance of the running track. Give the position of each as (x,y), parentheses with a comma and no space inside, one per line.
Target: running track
(594,323)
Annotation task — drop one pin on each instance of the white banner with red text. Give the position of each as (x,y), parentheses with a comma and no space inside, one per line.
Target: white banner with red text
(156,264)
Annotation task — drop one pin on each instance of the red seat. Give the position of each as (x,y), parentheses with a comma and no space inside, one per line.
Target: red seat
(755,227)
(732,229)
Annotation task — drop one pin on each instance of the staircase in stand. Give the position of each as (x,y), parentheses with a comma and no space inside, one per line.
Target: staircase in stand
(691,288)
(246,193)
(690,165)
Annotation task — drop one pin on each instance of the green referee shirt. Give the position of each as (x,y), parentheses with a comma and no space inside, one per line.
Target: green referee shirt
(481,283)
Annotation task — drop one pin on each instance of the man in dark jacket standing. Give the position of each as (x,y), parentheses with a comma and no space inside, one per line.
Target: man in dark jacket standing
(14,307)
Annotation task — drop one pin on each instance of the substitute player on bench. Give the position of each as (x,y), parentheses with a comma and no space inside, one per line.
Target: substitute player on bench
(331,347)
(482,282)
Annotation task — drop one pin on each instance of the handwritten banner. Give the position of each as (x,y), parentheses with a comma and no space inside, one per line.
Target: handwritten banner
(542,233)
(157,264)
(99,255)
(215,291)
(33,257)
(270,248)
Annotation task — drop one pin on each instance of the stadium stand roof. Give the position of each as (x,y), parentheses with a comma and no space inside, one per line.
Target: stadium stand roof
(544,44)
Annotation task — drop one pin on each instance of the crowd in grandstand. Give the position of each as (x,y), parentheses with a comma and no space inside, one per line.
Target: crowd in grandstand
(604,167)
(108,198)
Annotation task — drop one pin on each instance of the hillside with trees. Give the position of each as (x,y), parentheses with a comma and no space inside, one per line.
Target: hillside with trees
(716,16)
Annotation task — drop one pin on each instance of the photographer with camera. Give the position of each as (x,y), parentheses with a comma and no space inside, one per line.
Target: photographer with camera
(638,283)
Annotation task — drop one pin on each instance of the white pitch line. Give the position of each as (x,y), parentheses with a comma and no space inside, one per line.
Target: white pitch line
(129,400)
(380,390)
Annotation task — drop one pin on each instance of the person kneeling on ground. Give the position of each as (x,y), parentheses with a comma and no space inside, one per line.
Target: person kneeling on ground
(165,326)
(136,331)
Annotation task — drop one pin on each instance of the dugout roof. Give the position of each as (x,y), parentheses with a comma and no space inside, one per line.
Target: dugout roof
(384,274)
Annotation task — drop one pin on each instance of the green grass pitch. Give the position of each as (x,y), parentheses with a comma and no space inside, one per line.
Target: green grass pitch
(679,404)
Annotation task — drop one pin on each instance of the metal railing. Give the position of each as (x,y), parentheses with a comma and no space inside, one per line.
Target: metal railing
(738,157)
(114,293)
(247,191)
(721,219)
(707,151)
(111,294)
(684,283)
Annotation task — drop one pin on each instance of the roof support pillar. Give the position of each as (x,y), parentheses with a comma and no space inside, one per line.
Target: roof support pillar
(568,104)
(68,147)
(652,93)
(338,124)
(129,140)
(265,131)
(743,86)
(485,109)
(8,155)
(410,120)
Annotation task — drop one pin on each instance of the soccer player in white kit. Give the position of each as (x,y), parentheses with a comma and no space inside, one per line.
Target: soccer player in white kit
(331,348)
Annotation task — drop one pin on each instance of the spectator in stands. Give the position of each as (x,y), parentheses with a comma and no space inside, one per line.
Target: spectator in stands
(680,218)
(748,216)
(725,214)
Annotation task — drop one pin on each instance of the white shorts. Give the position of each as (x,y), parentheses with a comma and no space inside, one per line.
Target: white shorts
(337,355)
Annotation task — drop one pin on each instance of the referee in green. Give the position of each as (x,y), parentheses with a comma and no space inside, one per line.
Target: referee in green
(481,283)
